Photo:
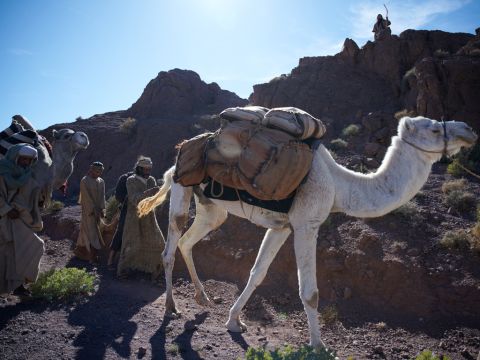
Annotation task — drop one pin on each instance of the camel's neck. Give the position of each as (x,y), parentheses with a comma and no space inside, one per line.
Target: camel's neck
(402,174)
(63,156)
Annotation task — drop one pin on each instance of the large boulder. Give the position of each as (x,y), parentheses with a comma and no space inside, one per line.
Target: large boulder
(177,93)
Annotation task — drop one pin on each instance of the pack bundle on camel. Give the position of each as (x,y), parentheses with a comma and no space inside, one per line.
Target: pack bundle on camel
(55,162)
(329,187)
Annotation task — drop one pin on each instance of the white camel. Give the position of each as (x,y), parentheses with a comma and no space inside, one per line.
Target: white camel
(329,187)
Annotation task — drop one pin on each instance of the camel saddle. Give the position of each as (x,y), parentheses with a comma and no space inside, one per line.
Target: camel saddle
(258,155)
(190,166)
(267,163)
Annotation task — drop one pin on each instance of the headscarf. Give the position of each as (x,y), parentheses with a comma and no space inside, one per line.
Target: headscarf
(97,164)
(144,162)
(16,176)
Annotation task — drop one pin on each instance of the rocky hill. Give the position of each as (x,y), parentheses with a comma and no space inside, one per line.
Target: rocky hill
(393,263)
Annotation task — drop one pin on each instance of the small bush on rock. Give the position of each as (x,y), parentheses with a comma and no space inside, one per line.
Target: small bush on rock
(55,205)
(455,169)
(329,315)
(458,239)
(289,353)
(63,284)
(338,144)
(461,201)
(128,126)
(454,185)
(428,355)
(408,211)
(351,130)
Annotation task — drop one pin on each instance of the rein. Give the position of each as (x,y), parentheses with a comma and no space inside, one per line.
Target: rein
(445,142)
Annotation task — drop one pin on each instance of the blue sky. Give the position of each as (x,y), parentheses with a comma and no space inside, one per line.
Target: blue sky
(64,59)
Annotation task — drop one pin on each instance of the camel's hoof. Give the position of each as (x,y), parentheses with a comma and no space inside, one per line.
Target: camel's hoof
(236,325)
(171,310)
(173,314)
(202,299)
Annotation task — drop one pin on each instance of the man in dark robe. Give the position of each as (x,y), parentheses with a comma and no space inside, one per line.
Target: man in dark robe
(381,28)
(121,197)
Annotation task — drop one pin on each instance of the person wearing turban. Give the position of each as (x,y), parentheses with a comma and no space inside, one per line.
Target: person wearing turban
(142,241)
(20,248)
(92,201)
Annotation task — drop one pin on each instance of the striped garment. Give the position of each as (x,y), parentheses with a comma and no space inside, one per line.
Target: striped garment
(16,134)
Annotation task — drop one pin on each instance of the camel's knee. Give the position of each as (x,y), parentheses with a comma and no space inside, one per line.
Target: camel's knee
(310,297)
(180,221)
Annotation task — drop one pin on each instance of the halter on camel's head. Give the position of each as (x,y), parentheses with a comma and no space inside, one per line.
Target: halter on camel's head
(436,137)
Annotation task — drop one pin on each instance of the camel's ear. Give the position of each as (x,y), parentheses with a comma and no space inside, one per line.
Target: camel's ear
(56,134)
(408,123)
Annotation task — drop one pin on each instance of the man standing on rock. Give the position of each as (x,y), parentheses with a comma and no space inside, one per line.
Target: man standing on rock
(20,248)
(143,241)
(121,197)
(92,200)
(382,28)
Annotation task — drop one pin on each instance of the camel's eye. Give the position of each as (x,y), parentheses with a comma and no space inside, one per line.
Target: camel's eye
(436,131)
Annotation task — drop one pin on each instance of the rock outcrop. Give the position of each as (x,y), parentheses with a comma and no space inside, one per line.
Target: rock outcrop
(178,93)
(424,71)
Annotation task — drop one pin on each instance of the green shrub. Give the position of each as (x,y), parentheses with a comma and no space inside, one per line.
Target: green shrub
(468,159)
(454,185)
(128,126)
(329,315)
(351,130)
(289,353)
(111,208)
(455,239)
(461,201)
(475,241)
(455,169)
(409,211)
(62,284)
(55,205)
(428,355)
(338,144)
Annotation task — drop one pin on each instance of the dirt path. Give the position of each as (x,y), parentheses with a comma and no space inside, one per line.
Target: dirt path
(124,319)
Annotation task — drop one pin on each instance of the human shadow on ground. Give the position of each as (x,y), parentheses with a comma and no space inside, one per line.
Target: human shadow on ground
(183,340)
(106,316)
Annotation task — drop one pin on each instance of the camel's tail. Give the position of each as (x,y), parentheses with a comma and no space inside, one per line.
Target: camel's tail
(149,204)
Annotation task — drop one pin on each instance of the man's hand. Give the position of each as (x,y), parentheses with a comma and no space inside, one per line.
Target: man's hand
(13,214)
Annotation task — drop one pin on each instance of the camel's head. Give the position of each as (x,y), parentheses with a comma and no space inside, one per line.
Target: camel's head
(66,145)
(77,140)
(433,137)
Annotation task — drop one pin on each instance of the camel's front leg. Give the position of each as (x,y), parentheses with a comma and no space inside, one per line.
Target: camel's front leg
(179,204)
(305,241)
(272,242)
(207,218)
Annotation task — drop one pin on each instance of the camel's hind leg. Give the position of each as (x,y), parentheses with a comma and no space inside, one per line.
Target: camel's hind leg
(272,242)
(208,217)
(178,215)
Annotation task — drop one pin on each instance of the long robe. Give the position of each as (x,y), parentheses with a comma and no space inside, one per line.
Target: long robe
(92,200)
(121,196)
(143,241)
(20,248)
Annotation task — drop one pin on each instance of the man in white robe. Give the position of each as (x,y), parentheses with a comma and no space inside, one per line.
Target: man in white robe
(92,200)
(20,248)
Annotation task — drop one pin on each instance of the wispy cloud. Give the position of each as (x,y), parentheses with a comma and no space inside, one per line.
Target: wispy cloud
(19,52)
(408,14)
